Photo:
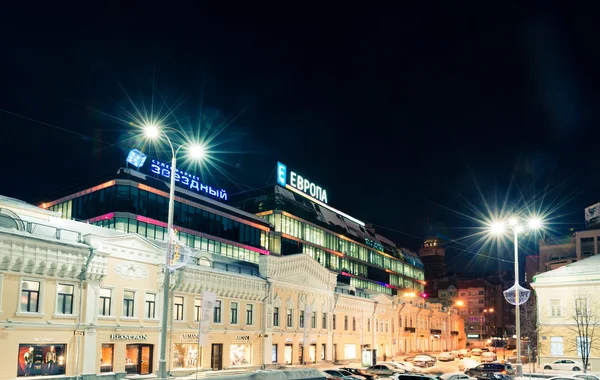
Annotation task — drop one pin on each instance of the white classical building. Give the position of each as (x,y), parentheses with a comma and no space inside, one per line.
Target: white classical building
(81,300)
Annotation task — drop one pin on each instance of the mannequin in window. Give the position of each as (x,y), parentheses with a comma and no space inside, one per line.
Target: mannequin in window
(28,359)
(51,361)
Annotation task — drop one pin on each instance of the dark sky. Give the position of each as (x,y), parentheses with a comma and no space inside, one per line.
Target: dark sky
(408,115)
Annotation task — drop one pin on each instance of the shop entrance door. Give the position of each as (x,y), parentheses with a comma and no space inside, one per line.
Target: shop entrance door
(216,357)
(335,352)
(287,353)
(139,359)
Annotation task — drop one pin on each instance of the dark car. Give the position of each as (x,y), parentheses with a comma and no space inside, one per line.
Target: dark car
(490,368)
(413,377)
(493,376)
(361,372)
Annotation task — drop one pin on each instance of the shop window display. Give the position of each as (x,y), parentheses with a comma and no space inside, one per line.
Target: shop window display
(240,354)
(185,355)
(106,357)
(41,360)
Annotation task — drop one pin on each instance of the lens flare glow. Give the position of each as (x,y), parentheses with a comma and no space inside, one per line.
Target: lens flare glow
(534,223)
(513,221)
(197,151)
(498,228)
(151,131)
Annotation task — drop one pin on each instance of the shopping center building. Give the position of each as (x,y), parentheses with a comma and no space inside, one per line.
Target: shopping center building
(81,282)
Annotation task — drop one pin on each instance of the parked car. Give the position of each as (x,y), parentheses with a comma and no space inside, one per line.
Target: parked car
(494,376)
(405,366)
(456,354)
(505,369)
(488,357)
(384,369)
(329,377)
(446,357)
(467,363)
(586,376)
(484,349)
(412,376)
(361,372)
(456,376)
(476,352)
(424,361)
(344,375)
(513,359)
(464,352)
(563,378)
(565,364)
(491,348)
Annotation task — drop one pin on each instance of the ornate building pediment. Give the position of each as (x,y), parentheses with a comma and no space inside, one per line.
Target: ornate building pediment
(299,269)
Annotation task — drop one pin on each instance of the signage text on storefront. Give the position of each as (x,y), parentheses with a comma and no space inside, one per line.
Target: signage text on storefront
(242,338)
(128,337)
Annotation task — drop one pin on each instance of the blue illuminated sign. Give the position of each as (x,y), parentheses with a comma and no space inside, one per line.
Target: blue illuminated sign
(281,173)
(187,180)
(136,158)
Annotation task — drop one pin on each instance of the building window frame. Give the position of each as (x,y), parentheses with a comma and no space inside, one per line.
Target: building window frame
(289,318)
(345,323)
(556,308)
(233,313)
(275,316)
(313,320)
(197,309)
(39,310)
(150,306)
(301,319)
(129,304)
(249,314)
(217,312)
(557,346)
(58,313)
(178,313)
(104,301)
(333,322)
(324,321)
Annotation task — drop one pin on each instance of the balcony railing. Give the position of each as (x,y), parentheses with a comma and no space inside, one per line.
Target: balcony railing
(410,329)
(435,331)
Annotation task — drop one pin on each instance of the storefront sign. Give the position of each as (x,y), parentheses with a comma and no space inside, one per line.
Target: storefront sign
(473,336)
(128,337)
(302,186)
(188,338)
(44,340)
(187,180)
(288,340)
(242,338)
(79,332)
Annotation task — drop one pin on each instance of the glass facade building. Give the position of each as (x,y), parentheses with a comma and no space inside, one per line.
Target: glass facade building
(128,204)
(362,258)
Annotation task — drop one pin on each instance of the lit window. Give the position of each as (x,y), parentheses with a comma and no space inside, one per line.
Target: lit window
(234,313)
(289,318)
(30,296)
(64,299)
(106,357)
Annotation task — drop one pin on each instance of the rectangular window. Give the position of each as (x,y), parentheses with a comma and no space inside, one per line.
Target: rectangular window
(197,309)
(353,323)
(128,303)
(249,314)
(556,346)
(333,322)
(324,321)
(31,356)
(274,353)
(107,357)
(555,308)
(30,296)
(105,301)
(289,318)
(313,320)
(345,322)
(369,324)
(234,313)
(376,325)
(301,319)
(217,312)
(65,299)
(178,308)
(583,346)
(581,307)
(150,311)
(276,316)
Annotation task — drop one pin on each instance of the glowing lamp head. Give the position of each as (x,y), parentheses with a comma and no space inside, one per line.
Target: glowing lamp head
(497,228)
(534,223)
(519,228)
(460,303)
(151,131)
(513,221)
(197,151)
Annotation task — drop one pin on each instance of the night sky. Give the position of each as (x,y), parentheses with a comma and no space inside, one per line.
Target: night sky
(411,117)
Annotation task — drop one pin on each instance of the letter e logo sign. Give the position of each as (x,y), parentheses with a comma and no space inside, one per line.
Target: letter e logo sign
(281,174)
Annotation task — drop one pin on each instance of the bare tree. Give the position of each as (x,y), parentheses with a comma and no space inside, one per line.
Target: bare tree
(585,319)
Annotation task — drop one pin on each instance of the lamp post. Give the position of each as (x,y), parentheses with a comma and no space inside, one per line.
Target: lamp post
(517,295)
(482,322)
(196,151)
(456,305)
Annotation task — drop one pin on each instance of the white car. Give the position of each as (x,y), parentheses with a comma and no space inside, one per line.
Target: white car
(405,366)
(564,364)
(586,376)
(488,357)
(446,357)
(456,376)
(466,364)
(476,352)
(424,361)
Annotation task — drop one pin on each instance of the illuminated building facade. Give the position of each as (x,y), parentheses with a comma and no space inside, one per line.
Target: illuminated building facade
(304,222)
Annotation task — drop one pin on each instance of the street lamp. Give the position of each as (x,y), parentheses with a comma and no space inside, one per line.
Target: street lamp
(482,322)
(517,295)
(456,305)
(196,151)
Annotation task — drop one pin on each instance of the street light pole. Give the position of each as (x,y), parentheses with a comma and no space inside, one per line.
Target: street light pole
(518,364)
